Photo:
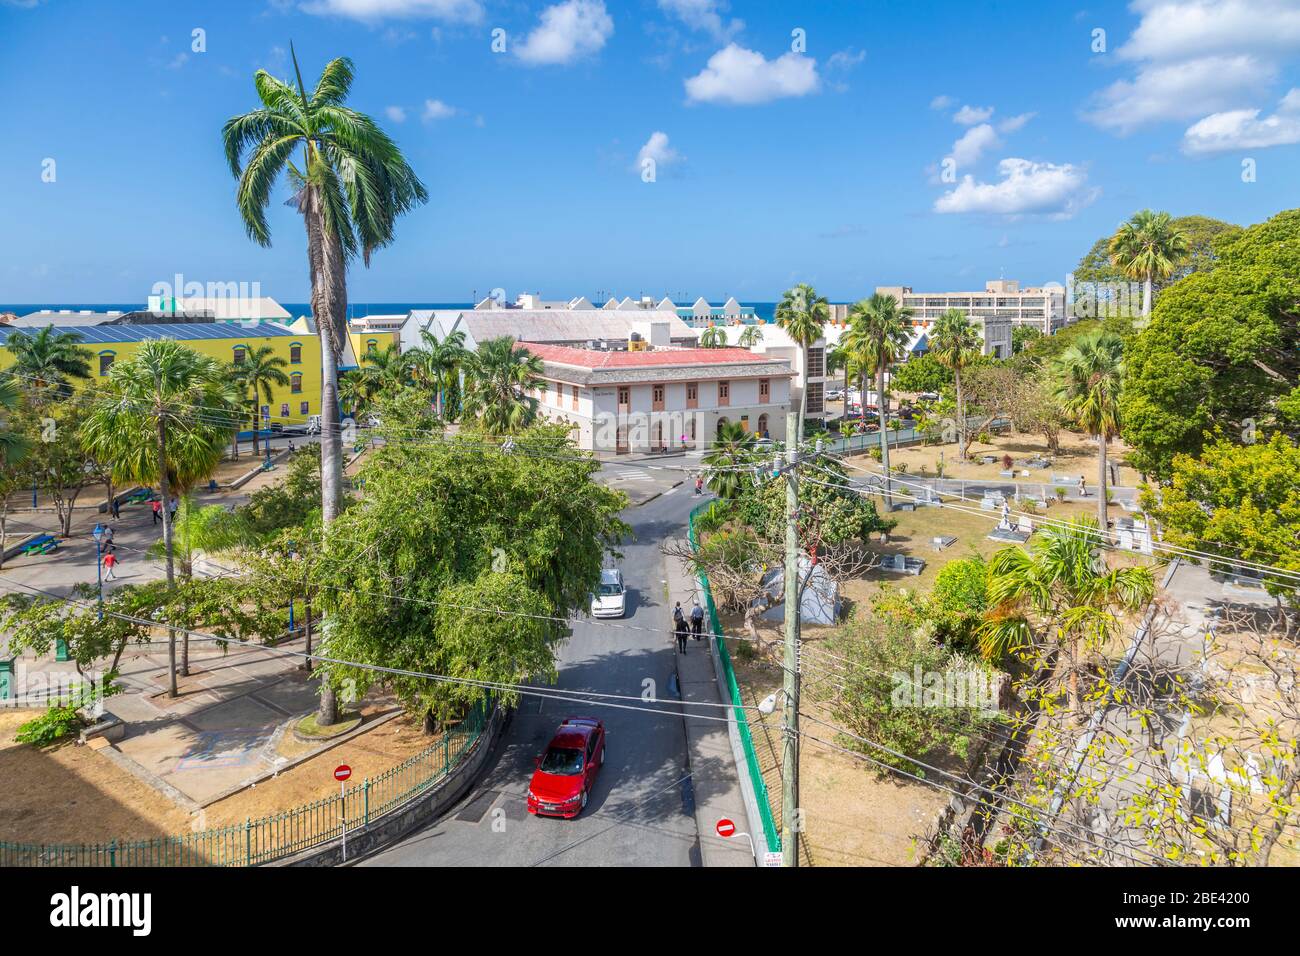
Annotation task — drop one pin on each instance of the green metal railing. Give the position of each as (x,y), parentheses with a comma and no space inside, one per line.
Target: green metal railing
(770,833)
(270,838)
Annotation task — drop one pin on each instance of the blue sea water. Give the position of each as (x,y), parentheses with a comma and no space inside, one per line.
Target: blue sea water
(763,310)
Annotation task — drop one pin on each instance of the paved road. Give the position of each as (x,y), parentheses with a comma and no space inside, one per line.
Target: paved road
(642,807)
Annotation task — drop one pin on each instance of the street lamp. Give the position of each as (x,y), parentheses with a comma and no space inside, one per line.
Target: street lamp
(99,565)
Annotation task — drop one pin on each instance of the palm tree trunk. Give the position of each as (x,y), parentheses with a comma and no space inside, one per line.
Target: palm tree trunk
(862,397)
(961,416)
(884,438)
(164,487)
(803,402)
(1146,298)
(306,610)
(1102,516)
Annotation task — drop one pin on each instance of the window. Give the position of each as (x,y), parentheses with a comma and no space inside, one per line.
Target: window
(106,361)
(284,409)
(624,397)
(724,393)
(239,355)
(816,363)
(304,408)
(692,394)
(744,423)
(764,390)
(295,353)
(372,347)
(815,399)
(575,397)
(295,383)
(657,398)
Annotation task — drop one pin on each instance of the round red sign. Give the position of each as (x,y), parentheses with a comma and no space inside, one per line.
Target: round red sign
(725,827)
(342,772)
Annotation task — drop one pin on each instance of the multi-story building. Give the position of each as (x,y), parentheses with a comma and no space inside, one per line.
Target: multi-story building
(661,398)
(228,342)
(1001,301)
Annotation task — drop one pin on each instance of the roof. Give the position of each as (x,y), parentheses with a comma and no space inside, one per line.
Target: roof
(592,367)
(92,334)
(565,325)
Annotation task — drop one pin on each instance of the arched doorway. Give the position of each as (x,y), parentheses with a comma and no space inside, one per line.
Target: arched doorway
(762,425)
(721,422)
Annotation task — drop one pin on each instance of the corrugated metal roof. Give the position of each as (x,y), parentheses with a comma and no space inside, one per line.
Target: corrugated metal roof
(92,334)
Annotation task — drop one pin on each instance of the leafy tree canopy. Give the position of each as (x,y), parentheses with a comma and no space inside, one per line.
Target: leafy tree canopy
(921,373)
(1202,235)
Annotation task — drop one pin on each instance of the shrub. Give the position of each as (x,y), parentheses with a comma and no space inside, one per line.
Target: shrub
(1007,462)
(957,601)
(1060,493)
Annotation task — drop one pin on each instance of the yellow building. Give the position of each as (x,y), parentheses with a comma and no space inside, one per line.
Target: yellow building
(227,342)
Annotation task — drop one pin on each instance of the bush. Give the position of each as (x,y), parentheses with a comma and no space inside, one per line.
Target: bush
(958,600)
(56,724)
(1060,493)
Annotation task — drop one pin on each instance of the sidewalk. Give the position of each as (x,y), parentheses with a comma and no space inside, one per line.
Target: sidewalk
(714,771)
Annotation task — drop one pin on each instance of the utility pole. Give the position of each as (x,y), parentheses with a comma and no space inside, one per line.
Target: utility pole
(790,715)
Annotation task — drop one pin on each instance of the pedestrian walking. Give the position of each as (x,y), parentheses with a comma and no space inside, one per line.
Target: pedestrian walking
(1083,487)
(681,633)
(156,504)
(115,508)
(679,616)
(172,508)
(107,537)
(110,562)
(699,484)
(697,620)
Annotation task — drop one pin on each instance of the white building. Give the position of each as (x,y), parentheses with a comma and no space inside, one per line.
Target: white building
(661,398)
(1002,300)
(776,344)
(611,329)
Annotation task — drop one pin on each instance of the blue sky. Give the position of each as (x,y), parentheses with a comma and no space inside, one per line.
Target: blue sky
(792,142)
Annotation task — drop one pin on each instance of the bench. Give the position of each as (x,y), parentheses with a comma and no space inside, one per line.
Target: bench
(45,544)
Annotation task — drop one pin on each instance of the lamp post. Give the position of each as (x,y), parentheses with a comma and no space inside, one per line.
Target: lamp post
(99,565)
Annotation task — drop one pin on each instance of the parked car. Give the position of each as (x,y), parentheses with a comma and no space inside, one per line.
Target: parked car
(835,394)
(566,771)
(610,599)
(928,397)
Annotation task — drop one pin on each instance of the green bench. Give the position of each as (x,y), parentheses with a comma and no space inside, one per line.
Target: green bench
(45,544)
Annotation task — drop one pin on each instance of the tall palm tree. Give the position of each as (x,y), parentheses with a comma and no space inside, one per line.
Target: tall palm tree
(751,335)
(198,531)
(803,314)
(1148,247)
(164,417)
(387,369)
(714,337)
(44,362)
(956,342)
(352,185)
(259,373)
(1089,376)
(355,391)
(879,327)
(435,365)
(732,449)
(500,378)
(1061,593)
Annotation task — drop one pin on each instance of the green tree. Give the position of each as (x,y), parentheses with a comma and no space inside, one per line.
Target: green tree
(351,187)
(714,337)
(1146,248)
(803,314)
(386,370)
(1090,375)
(1060,596)
(58,458)
(200,532)
(730,453)
(15,445)
(500,377)
(1201,233)
(355,391)
(1240,501)
(922,373)
(881,327)
(45,363)
(1023,335)
(258,375)
(437,364)
(956,343)
(751,335)
(1222,350)
(958,600)
(164,418)
(471,558)
(290,502)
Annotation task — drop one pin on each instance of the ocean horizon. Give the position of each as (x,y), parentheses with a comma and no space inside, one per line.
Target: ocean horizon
(356,310)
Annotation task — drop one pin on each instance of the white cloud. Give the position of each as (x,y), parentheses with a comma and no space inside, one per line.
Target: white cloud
(567,31)
(1026,188)
(1197,57)
(703,15)
(1179,91)
(973,143)
(744,77)
(970,115)
(845,59)
(1243,129)
(437,110)
(395,113)
(656,148)
(941,102)
(458,11)
(1183,29)
(1013,123)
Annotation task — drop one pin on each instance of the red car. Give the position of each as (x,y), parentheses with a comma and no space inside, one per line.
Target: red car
(565,773)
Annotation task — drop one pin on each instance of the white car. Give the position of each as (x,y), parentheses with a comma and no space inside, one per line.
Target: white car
(610,599)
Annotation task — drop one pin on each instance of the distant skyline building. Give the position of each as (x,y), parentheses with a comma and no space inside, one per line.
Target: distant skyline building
(1042,307)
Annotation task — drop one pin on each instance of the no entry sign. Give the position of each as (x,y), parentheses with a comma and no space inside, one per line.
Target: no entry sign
(726,828)
(342,772)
